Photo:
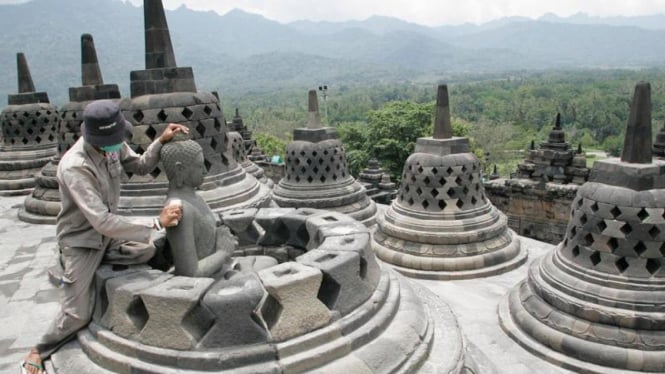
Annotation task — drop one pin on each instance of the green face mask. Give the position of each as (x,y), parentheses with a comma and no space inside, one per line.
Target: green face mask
(111,148)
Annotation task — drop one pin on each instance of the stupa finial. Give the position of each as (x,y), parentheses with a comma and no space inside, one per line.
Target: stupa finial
(158,47)
(25,83)
(637,144)
(557,122)
(91,75)
(313,109)
(442,126)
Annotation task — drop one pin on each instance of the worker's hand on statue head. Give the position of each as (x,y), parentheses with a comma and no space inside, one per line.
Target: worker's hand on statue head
(170,215)
(171,130)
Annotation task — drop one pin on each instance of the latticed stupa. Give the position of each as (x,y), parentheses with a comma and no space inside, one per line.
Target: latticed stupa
(596,303)
(317,174)
(164,93)
(377,182)
(29,129)
(441,225)
(44,203)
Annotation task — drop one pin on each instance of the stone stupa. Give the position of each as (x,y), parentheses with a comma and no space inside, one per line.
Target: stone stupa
(43,205)
(29,134)
(317,175)
(164,93)
(441,225)
(596,303)
(377,182)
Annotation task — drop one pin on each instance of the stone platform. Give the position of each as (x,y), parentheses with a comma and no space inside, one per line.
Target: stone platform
(29,302)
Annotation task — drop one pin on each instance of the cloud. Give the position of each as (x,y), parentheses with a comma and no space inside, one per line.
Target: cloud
(427,12)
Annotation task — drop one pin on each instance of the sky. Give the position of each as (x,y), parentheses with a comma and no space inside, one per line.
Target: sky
(424,12)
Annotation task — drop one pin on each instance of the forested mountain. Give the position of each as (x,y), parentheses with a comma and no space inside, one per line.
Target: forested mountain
(241,53)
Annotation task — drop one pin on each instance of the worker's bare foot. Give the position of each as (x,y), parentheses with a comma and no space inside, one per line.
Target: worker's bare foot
(32,363)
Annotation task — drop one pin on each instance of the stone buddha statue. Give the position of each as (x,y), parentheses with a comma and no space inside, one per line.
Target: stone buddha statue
(200,248)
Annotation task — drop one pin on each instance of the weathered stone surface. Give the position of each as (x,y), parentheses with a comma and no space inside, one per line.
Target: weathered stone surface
(235,304)
(597,298)
(441,225)
(317,174)
(174,316)
(292,307)
(377,183)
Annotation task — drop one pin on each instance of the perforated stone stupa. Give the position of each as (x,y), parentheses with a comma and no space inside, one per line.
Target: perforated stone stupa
(239,152)
(44,204)
(164,93)
(29,129)
(596,302)
(377,182)
(326,307)
(317,174)
(441,225)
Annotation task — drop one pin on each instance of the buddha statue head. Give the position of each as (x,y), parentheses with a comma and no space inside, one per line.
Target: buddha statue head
(183,162)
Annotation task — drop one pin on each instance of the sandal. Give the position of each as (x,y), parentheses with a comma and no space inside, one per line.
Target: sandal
(33,364)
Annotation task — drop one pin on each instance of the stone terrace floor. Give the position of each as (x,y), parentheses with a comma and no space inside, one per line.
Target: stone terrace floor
(28,302)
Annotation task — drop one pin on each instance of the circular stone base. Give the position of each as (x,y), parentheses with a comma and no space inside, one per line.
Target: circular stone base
(28,217)
(392,332)
(511,328)
(501,268)
(19,192)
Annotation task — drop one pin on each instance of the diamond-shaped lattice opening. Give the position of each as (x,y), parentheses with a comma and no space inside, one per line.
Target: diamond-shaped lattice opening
(155,172)
(653,265)
(465,190)
(410,201)
(626,229)
(207,110)
(297,161)
(151,132)
(297,178)
(162,116)
(42,130)
(325,152)
(314,153)
(137,313)
(309,161)
(218,125)
(464,169)
(426,180)
(213,144)
(334,177)
(329,291)
(407,188)
(474,200)
(642,214)
(322,179)
(588,239)
(451,192)
(435,192)
(580,202)
(420,169)
(639,248)
(425,204)
(583,218)
(321,162)
(442,204)
(419,191)
(449,170)
(615,212)
(413,178)
(595,258)
(573,231)
(613,244)
(17,131)
(51,138)
(401,197)
(138,116)
(315,170)
(575,251)
(310,179)
(662,249)
(302,153)
(477,187)
(442,181)
(271,311)
(201,129)
(621,264)
(207,164)
(459,181)
(654,232)
(459,203)
(594,206)
(25,141)
(434,171)
(601,226)
(303,170)
(187,112)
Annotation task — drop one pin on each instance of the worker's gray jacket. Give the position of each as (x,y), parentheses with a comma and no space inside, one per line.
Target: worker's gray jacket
(90,192)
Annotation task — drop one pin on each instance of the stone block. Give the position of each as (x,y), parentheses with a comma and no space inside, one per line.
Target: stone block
(292,307)
(175,319)
(241,223)
(359,243)
(275,231)
(103,274)
(327,224)
(295,221)
(127,315)
(234,304)
(344,285)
